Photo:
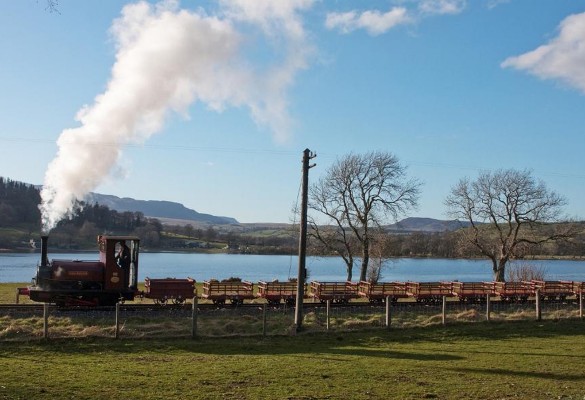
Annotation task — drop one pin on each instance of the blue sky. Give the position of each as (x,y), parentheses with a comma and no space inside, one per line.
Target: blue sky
(211,103)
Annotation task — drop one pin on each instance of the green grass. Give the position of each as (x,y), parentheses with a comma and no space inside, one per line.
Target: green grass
(512,360)
(513,357)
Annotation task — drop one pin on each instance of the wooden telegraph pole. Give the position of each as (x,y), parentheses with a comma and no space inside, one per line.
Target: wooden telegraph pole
(302,273)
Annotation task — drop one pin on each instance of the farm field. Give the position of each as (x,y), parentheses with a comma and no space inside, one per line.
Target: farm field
(508,360)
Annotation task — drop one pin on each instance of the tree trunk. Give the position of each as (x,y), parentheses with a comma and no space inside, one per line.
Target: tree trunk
(349,273)
(500,272)
(349,267)
(365,261)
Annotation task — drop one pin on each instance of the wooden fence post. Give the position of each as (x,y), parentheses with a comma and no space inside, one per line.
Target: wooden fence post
(117,331)
(194,318)
(581,305)
(45,320)
(328,309)
(487,307)
(388,315)
(538,310)
(444,310)
(264,320)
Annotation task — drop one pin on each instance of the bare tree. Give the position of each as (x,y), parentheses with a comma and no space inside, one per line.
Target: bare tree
(507,210)
(52,6)
(356,195)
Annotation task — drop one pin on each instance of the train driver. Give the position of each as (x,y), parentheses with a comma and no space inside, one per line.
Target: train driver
(123,256)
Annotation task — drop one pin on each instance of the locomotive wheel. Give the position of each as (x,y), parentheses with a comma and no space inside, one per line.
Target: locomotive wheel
(178,300)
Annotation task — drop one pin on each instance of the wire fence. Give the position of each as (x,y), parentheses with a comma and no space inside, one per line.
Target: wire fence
(193,321)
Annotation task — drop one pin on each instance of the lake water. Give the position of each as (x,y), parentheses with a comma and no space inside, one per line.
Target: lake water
(21,267)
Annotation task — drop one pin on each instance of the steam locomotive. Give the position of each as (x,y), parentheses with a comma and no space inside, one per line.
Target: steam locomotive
(104,282)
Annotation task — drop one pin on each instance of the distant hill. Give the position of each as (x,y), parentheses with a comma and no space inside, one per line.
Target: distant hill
(415,224)
(177,214)
(157,209)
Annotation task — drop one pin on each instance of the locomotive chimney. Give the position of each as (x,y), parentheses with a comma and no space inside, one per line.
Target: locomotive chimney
(44,245)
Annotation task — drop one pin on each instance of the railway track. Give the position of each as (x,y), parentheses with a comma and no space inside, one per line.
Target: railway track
(140,307)
(149,307)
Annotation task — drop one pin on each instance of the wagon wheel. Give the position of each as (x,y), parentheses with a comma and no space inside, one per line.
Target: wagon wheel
(178,300)
(274,303)
(161,301)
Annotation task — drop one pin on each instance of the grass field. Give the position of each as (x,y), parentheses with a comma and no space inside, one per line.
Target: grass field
(502,359)
(510,360)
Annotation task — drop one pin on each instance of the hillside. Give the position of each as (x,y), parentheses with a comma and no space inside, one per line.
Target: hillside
(175,213)
(416,224)
(157,209)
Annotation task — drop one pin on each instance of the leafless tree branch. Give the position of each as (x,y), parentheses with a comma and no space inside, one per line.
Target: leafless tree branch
(358,194)
(507,209)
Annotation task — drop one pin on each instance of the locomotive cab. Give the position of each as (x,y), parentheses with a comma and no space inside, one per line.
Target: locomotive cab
(106,281)
(119,255)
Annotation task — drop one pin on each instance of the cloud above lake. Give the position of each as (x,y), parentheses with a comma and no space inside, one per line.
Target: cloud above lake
(562,58)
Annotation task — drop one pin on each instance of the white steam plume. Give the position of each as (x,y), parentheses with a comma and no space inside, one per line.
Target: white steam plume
(166,59)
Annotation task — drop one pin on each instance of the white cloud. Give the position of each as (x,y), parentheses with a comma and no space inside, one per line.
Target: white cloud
(494,3)
(377,23)
(373,21)
(442,6)
(280,16)
(563,58)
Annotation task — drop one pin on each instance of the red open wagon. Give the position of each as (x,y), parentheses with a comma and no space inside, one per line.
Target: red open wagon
(338,292)
(428,292)
(513,291)
(234,291)
(578,288)
(471,292)
(169,289)
(377,292)
(553,290)
(275,292)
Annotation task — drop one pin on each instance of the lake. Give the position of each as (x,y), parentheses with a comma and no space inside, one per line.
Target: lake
(21,267)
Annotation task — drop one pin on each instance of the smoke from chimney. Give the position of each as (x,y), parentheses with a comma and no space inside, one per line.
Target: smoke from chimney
(166,59)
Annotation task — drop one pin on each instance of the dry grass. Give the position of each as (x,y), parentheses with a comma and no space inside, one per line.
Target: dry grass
(230,322)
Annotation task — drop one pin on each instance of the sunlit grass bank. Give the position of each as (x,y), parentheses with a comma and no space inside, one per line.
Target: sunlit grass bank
(511,360)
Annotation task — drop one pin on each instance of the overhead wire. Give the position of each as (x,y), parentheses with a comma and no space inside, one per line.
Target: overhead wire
(242,150)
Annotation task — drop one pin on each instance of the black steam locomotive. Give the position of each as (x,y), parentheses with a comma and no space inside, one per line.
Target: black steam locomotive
(104,282)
